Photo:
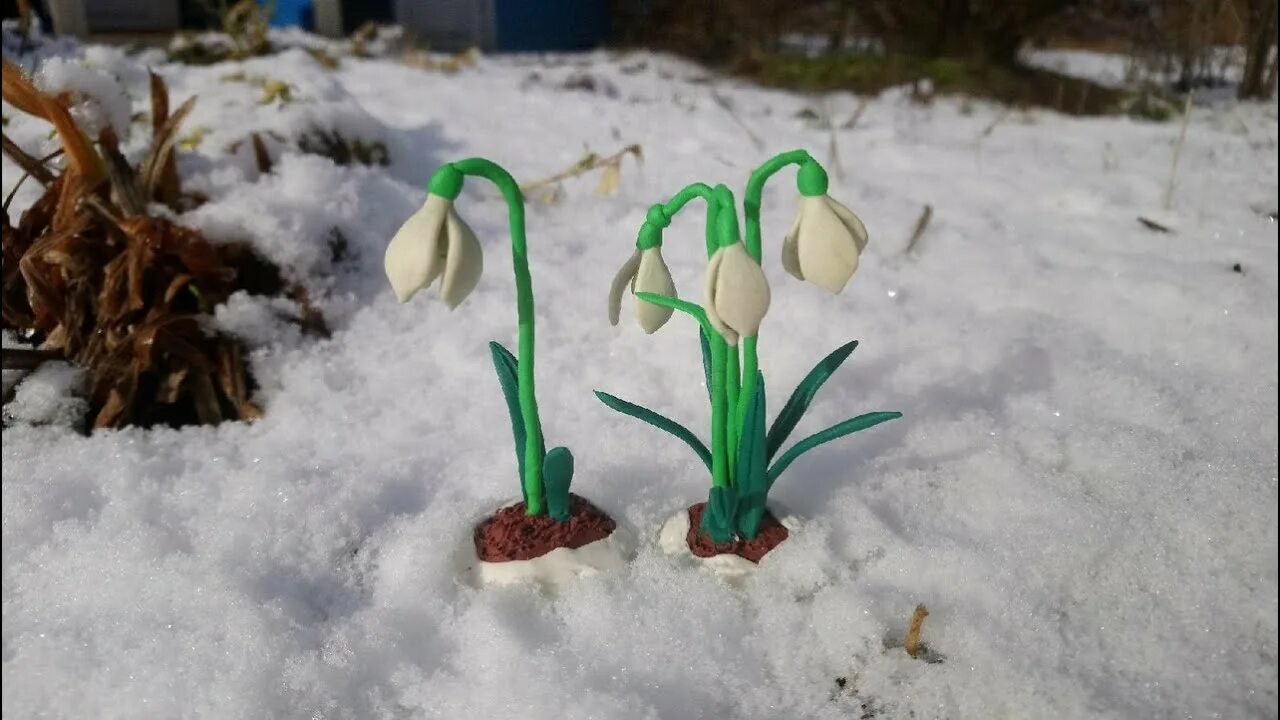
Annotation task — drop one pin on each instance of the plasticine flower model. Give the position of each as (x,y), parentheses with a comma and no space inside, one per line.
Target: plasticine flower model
(435,244)
(822,247)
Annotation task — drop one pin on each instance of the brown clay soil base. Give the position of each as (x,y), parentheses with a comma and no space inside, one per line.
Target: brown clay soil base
(771,534)
(509,534)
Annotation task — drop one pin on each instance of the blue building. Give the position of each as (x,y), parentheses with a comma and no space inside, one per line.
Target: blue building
(447,25)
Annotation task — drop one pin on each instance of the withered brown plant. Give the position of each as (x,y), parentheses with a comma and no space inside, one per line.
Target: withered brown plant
(96,279)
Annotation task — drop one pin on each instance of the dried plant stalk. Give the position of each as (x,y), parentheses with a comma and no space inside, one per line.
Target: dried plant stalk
(1177,153)
(260,154)
(591,161)
(168,189)
(922,224)
(122,294)
(912,643)
(727,106)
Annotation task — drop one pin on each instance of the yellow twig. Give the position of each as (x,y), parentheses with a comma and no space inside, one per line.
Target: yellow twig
(912,644)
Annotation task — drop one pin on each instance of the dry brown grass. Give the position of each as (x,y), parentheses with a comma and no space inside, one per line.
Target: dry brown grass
(94,278)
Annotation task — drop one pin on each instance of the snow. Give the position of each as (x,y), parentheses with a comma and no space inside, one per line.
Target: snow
(1119,69)
(49,395)
(98,99)
(1082,489)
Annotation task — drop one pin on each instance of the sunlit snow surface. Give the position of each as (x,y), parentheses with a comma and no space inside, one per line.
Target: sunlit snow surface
(1082,489)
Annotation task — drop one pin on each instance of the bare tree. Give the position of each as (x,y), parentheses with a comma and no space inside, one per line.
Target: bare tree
(1259,77)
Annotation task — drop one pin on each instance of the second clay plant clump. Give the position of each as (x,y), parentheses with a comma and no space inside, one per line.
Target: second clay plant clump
(551,534)
(745,457)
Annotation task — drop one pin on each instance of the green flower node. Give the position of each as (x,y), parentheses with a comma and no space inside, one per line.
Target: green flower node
(811,180)
(446,182)
(658,217)
(648,237)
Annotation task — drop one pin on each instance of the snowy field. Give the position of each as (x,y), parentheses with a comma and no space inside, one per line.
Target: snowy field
(1082,489)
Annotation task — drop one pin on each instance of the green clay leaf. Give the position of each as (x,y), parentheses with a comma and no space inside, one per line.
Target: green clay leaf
(505,364)
(706,358)
(718,514)
(557,474)
(684,306)
(804,393)
(659,421)
(752,476)
(839,430)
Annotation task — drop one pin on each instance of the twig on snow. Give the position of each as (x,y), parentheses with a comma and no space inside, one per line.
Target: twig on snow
(1177,152)
(921,225)
(727,106)
(912,644)
(986,132)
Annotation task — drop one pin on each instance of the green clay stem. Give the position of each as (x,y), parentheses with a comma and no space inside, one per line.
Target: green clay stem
(719,411)
(750,367)
(751,211)
(713,209)
(494,173)
(724,364)
(755,191)
(732,387)
(727,234)
(682,198)
(727,219)
(659,216)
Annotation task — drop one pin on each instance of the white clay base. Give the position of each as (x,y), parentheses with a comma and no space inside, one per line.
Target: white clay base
(559,567)
(674,541)
(554,570)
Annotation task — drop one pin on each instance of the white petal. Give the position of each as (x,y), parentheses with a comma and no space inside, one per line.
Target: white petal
(710,288)
(851,221)
(464,261)
(414,255)
(741,292)
(653,277)
(827,250)
(626,274)
(790,249)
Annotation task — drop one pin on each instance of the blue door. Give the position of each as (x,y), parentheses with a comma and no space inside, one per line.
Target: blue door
(548,25)
(293,13)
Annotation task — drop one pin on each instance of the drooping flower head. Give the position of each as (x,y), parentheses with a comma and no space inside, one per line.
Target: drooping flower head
(736,293)
(435,243)
(644,271)
(826,240)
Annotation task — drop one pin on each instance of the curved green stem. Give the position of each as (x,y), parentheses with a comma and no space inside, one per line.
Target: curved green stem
(755,191)
(751,212)
(660,215)
(688,193)
(494,173)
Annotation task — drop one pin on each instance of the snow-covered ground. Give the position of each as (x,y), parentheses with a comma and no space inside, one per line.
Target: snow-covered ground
(1082,490)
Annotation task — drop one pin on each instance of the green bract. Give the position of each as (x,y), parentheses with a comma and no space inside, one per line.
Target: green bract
(822,247)
(435,243)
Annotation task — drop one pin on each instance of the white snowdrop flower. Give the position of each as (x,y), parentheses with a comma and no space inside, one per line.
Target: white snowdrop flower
(645,271)
(824,243)
(737,293)
(434,242)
